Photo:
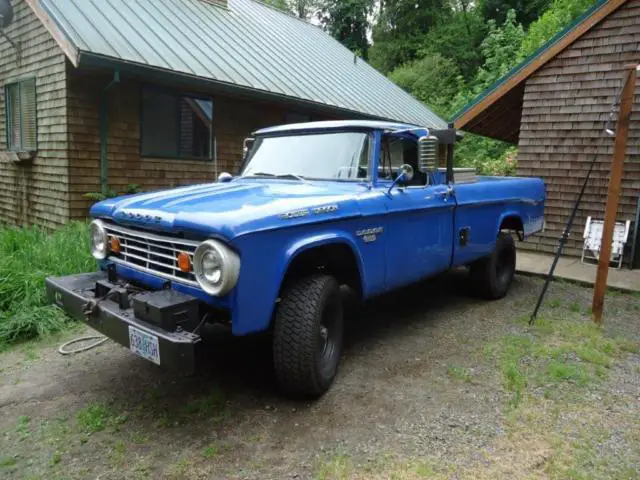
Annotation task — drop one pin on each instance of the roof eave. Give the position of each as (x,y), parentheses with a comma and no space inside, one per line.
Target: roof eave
(161,75)
(546,53)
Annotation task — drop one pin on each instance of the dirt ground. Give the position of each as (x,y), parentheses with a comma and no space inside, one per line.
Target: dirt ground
(433,384)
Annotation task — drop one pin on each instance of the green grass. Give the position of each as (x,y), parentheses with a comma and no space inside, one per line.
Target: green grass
(338,467)
(27,256)
(555,303)
(96,417)
(575,307)
(211,404)
(211,451)
(555,354)
(459,373)
(7,462)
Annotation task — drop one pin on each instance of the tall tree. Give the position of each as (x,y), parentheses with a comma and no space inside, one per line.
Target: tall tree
(560,15)
(400,27)
(432,79)
(527,11)
(501,49)
(458,38)
(349,21)
(300,8)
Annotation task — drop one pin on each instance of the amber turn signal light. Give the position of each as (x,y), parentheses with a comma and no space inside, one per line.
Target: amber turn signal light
(115,245)
(184,262)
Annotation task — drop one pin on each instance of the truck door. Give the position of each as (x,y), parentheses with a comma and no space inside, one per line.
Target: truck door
(419,226)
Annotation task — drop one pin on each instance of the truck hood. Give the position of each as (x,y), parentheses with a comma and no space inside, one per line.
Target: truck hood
(231,209)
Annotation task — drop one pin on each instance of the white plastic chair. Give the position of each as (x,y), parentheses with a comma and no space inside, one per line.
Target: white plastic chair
(593,238)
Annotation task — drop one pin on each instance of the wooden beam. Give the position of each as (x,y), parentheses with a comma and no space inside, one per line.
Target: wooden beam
(544,57)
(63,42)
(613,196)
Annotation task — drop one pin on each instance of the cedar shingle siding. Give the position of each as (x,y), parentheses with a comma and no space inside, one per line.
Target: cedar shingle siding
(49,191)
(566,104)
(233,120)
(36,192)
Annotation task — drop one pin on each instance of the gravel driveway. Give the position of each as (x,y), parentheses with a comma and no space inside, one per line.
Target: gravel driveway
(418,395)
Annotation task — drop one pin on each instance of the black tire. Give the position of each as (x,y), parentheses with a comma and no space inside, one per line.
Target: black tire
(491,276)
(307,335)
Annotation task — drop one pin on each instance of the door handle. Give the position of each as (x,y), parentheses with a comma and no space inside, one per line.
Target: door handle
(448,193)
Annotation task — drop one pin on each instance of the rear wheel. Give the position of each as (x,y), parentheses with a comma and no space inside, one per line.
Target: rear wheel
(492,276)
(307,336)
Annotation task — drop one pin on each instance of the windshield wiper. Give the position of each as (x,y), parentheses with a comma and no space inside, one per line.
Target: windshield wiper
(286,176)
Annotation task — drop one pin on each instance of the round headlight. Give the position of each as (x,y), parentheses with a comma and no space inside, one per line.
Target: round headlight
(216,267)
(99,240)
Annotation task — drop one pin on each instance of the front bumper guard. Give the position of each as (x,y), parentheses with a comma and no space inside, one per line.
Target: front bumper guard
(112,315)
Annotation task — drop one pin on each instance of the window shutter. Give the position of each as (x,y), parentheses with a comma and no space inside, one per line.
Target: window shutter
(29,115)
(13,116)
(21,115)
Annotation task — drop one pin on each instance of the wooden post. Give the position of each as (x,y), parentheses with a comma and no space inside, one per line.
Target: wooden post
(613,196)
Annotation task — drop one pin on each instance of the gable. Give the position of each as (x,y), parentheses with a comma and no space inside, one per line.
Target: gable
(497,112)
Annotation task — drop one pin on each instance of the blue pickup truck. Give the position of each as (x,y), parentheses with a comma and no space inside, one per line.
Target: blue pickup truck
(315,208)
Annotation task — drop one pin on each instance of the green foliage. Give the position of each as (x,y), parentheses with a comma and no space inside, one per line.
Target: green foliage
(131,189)
(559,16)
(465,47)
(432,79)
(500,49)
(527,10)
(487,156)
(299,8)
(27,256)
(458,39)
(348,21)
(400,27)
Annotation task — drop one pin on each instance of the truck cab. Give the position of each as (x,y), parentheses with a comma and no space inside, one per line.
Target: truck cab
(374,206)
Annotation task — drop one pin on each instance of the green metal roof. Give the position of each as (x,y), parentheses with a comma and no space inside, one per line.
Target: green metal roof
(557,38)
(247,45)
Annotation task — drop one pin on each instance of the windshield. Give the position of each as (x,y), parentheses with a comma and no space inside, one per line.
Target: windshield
(322,156)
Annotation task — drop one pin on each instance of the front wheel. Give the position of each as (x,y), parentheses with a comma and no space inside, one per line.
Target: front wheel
(307,335)
(491,276)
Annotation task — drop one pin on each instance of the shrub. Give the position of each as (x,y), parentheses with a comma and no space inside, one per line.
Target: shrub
(27,256)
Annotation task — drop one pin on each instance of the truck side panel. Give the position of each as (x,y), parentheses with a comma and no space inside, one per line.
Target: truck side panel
(482,206)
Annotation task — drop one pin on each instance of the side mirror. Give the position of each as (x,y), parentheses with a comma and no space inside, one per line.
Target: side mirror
(428,154)
(405,175)
(225,177)
(247,145)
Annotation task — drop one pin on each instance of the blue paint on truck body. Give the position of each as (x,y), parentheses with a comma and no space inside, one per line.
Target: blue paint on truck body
(269,221)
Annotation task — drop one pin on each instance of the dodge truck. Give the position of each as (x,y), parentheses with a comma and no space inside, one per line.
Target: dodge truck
(315,208)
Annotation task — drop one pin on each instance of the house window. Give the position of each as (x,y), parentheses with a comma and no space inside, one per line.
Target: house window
(176,125)
(21,115)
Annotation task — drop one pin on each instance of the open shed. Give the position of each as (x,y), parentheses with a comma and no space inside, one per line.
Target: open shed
(555,106)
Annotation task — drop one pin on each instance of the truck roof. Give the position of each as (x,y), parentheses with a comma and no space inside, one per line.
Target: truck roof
(337,125)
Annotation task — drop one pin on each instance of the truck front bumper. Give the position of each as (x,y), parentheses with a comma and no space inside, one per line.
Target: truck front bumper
(106,307)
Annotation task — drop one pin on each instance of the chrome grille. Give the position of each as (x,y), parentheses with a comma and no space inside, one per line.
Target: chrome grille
(151,253)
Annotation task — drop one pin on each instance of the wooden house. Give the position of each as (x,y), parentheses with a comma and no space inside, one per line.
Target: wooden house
(555,108)
(100,95)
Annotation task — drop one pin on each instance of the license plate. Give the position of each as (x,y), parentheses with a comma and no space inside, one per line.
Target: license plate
(144,344)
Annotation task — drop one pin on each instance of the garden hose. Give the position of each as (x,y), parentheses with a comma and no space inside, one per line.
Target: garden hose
(99,341)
